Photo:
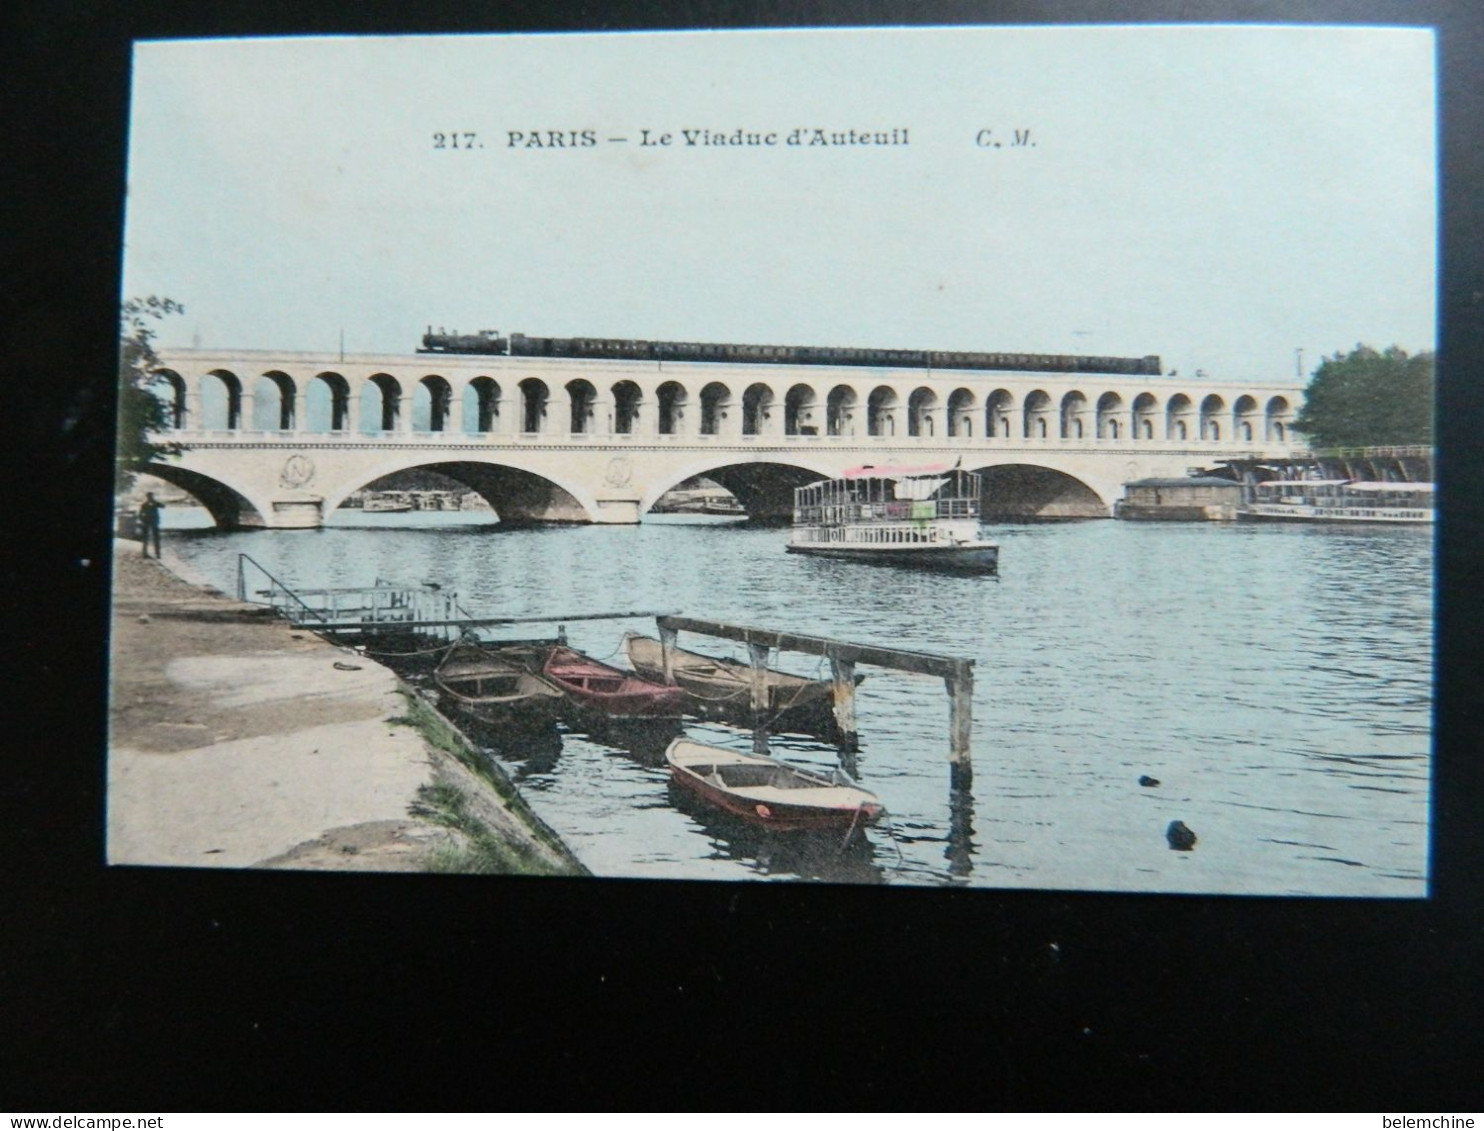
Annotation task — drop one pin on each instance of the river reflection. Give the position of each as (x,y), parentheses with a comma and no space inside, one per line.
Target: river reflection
(1276,681)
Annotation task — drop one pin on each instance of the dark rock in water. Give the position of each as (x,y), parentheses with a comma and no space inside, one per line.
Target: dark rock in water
(1146,780)
(1181,838)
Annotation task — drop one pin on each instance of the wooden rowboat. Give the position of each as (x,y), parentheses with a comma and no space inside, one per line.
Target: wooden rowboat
(482,685)
(768,793)
(720,688)
(600,689)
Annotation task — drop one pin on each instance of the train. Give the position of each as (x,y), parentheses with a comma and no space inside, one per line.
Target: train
(519,345)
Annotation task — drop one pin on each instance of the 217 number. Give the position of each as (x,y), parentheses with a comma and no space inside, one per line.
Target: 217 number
(468,140)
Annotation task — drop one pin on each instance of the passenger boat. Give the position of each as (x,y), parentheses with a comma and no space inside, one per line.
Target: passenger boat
(383,504)
(489,688)
(722,689)
(596,688)
(1340,500)
(924,517)
(768,793)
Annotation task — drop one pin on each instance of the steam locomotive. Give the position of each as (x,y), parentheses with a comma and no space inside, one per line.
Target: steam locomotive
(519,345)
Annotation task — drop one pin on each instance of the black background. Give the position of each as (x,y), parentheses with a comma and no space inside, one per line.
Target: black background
(149,990)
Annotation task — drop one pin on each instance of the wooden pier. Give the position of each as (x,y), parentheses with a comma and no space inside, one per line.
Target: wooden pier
(957,674)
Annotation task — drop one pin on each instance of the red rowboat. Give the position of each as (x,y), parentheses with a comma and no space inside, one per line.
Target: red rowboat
(598,688)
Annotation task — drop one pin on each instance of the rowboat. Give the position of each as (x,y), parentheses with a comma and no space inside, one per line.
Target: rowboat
(489,688)
(768,793)
(721,688)
(596,688)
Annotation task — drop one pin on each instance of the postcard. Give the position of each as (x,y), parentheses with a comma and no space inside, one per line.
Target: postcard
(979,456)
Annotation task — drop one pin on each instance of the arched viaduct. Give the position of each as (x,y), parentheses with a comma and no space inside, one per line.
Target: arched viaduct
(281,439)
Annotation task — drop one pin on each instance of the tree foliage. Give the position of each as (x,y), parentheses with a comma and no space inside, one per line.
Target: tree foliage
(144,406)
(1366,398)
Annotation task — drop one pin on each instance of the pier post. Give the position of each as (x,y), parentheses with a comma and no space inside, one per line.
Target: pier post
(960,727)
(758,653)
(843,675)
(667,652)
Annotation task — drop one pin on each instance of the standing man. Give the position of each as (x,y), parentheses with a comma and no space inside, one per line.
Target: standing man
(149,523)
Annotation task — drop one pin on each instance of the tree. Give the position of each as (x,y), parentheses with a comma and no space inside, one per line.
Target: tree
(143,410)
(1366,398)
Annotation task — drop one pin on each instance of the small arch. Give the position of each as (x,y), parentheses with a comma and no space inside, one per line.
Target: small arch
(1279,419)
(881,411)
(716,401)
(222,394)
(1212,409)
(482,405)
(757,406)
(999,407)
(1178,413)
(534,396)
(920,406)
(1110,408)
(627,398)
(1246,418)
(175,403)
(381,403)
(1072,425)
(840,411)
(961,413)
(326,403)
(273,402)
(581,398)
(1145,414)
(671,397)
(1037,413)
(798,412)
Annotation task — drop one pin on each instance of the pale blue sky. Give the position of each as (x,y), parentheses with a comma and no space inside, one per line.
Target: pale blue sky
(1219,196)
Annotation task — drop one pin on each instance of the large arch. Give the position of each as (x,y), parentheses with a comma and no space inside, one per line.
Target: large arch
(520,497)
(764,488)
(1025,492)
(229,508)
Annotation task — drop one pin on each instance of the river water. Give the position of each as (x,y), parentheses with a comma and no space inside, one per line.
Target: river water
(1275,680)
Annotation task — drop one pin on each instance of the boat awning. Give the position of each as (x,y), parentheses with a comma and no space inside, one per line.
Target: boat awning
(883,471)
(1421,487)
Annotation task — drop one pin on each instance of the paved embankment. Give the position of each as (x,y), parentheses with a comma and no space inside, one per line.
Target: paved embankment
(237,740)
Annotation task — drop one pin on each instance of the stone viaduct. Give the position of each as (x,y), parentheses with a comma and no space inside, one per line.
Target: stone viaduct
(281,439)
